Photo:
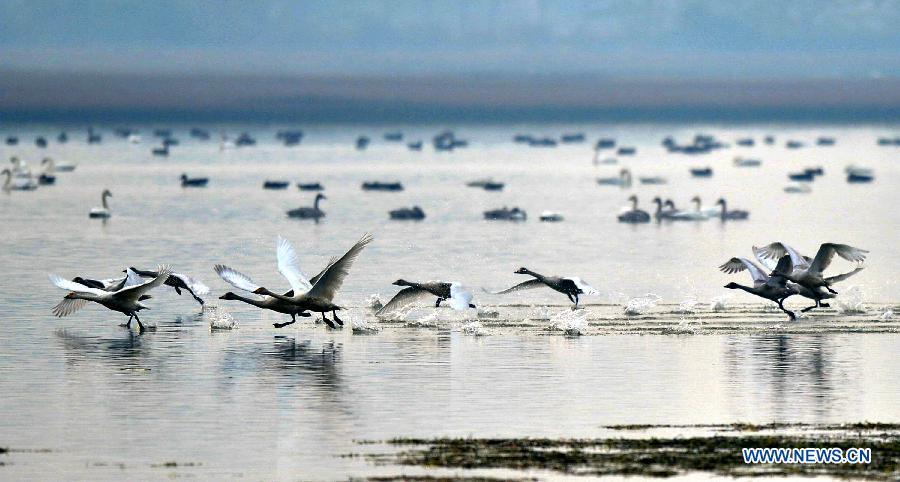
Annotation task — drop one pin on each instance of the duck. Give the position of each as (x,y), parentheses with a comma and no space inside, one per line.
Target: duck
(623,180)
(285,254)
(193,182)
(414,213)
(52,167)
(275,184)
(179,282)
(634,215)
(18,183)
(307,212)
(454,292)
(317,297)
(774,288)
(809,274)
(102,212)
(551,217)
(571,286)
(733,215)
(506,214)
(126,300)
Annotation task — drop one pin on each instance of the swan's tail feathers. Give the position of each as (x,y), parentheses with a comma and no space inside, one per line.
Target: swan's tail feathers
(460,297)
(584,287)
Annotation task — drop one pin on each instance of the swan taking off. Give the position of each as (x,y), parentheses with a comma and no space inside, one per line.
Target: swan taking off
(454,292)
(315,296)
(774,288)
(179,282)
(126,300)
(102,212)
(571,286)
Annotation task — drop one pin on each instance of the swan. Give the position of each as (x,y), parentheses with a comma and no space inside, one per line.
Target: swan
(571,286)
(317,296)
(695,215)
(19,167)
(18,183)
(414,213)
(785,265)
(506,214)
(742,162)
(307,212)
(551,217)
(179,282)
(126,300)
(102,212)
(653,180)
(708,211)
(735,214)
(47,177)
(624,179)
(459,297)
(312,186)
(52,166)
(193,182)
(797,188)
(268,184)
(774,288)
(634,215)
(809,274)
(663,213)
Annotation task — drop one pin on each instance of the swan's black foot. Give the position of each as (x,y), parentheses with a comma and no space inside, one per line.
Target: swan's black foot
(127,325)
(824,305)
(831,290)
(338,320)
(804,310)
(437,304)
(282,325)
(329,322)
(791,315)
(472,306)
(304,314)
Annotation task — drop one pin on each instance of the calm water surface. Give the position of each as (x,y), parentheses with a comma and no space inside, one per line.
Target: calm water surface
(263,403)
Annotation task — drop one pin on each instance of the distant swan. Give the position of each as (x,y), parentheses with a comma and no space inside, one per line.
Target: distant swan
(52,166)
(18,183)
(623,180)
(634,215)
(126,300)
(459,297)
(307,212)
(104,211)
(662,213)
(734,215)
(571,286)
(193,182)
(695,215)
(414,213)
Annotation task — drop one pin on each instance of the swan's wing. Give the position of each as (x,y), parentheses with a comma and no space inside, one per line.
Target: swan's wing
(584,287)
(736,265)
(776,250)
(402,299)
(460,297)
(197,287)
(131,279)
(235,278)
(316,277)
(828,250)
(333,277)
(526,285)
(67,285)
(842,277)
(135,292)
(68,306)
(763,260)
(289,266)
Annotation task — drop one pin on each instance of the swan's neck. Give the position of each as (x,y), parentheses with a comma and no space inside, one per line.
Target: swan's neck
(316,203)
(103,201)
(697,204)
(536,275)
(724,207)
(634,204)
(8,179)
(745,288)
(249,301)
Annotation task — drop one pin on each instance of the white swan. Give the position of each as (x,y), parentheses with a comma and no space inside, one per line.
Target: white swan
(52,166)
(18,183)
(104,211)
(126,300)
(695,215)
(810,273)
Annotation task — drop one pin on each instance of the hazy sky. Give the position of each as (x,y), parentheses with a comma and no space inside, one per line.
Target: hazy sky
(627,38)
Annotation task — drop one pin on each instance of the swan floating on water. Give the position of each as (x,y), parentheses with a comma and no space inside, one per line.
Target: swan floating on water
(623,180)
(551,217)
(102,212)
(734,215)
(18,183)
(307,212)
(52,167)
(193,182)
(414,213)
(634,215)
(506,214)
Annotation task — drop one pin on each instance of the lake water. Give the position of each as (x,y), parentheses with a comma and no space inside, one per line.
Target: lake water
(85,399)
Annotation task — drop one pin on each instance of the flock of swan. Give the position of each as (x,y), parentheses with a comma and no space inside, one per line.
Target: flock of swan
(666,211)
(792,274)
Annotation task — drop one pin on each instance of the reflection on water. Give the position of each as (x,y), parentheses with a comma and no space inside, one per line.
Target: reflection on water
(290,399)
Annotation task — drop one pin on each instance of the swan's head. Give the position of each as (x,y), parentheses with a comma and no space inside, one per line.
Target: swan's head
(633,198)
(732,286)
(695,199)
(106,192)
(320,196)
(720,201)
(184,177)
(400,282)
(522,270)
(657,200)
(46,160)
(670,203)
(228,296)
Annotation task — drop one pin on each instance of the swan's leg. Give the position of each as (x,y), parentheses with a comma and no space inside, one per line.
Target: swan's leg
(830,290)
(141,328)
(576,302)
(804,310)
(338,320)
(328,322)
(824,305)
(199,300)
(471,305)
(128,325)
(437,304)
(791,315)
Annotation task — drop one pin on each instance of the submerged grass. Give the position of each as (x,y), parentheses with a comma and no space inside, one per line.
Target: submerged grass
(655,457)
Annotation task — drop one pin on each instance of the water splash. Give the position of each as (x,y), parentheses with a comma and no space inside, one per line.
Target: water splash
(374,302)
(851,301)
(474,328)
(572,323)
(219,319)
(359,325)
(428,321)
(642,304)
(887,315)
(720,303)
(687,306)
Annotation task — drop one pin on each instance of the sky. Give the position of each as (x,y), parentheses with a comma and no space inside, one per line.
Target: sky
(651,39)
